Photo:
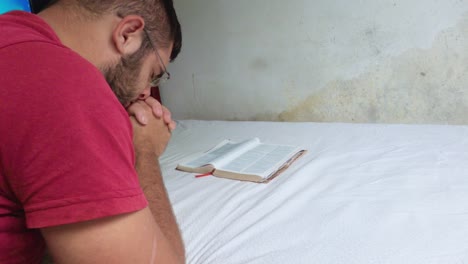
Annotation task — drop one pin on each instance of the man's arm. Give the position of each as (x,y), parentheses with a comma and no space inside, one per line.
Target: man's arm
(148,236)
(150,141)
(130,238)
(155,192)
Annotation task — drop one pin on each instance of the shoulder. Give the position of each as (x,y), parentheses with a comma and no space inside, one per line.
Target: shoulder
(54,89)
(56,75)
(19,26)
(32,56)
(45,61)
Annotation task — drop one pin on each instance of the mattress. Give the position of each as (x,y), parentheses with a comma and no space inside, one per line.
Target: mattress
(364,193)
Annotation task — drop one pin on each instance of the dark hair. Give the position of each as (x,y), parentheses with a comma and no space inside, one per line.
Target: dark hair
(160,17)
(175,28)
(39,5)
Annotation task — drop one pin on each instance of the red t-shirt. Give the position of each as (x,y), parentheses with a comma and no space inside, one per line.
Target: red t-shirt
(66,151)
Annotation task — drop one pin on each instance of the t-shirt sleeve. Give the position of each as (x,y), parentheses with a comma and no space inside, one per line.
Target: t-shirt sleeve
(67,148)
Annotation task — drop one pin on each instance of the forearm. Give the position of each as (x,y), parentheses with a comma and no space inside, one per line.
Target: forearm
(152,183)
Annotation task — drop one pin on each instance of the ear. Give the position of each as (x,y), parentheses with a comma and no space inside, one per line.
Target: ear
(128,34)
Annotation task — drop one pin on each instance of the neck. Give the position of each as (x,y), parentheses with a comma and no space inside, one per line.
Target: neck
(90,38)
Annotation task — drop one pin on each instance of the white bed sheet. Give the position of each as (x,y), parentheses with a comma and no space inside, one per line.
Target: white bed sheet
(363,194)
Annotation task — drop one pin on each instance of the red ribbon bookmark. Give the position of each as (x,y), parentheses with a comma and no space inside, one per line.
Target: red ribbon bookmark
(205,175)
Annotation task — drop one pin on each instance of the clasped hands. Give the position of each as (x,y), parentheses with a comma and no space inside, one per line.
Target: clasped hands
(152,126)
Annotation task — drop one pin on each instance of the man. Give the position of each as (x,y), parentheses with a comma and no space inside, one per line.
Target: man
(77,175)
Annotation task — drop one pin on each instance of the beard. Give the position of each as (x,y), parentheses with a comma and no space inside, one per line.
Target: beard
(123,78)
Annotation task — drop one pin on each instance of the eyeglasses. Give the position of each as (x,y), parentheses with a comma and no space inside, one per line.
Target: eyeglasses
(165,76)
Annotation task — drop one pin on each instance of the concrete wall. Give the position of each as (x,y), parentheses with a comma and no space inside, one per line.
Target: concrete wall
(401,61)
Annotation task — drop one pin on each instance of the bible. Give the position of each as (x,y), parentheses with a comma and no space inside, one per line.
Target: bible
(249,160)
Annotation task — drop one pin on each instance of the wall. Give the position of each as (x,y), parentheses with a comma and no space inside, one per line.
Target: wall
(401,61)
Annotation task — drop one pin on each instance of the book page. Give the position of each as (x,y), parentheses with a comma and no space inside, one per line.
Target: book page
(261,160)
(222,153)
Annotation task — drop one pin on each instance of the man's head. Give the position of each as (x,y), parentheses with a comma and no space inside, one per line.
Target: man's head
(143,37)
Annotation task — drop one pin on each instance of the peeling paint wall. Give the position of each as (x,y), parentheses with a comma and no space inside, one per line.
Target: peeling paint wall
(324,60)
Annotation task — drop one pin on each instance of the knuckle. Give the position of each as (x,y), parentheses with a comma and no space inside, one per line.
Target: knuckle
(153,102)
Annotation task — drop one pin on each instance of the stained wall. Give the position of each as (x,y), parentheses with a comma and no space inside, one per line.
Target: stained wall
(365,61)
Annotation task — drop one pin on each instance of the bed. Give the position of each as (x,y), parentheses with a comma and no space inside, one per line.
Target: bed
(364,193)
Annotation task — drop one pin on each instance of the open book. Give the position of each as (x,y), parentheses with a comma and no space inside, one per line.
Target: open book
(249,160)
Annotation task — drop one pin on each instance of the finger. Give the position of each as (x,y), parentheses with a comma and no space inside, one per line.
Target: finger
(156,106)
(138,110)
(167,116)
(172,125)
(134,121)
